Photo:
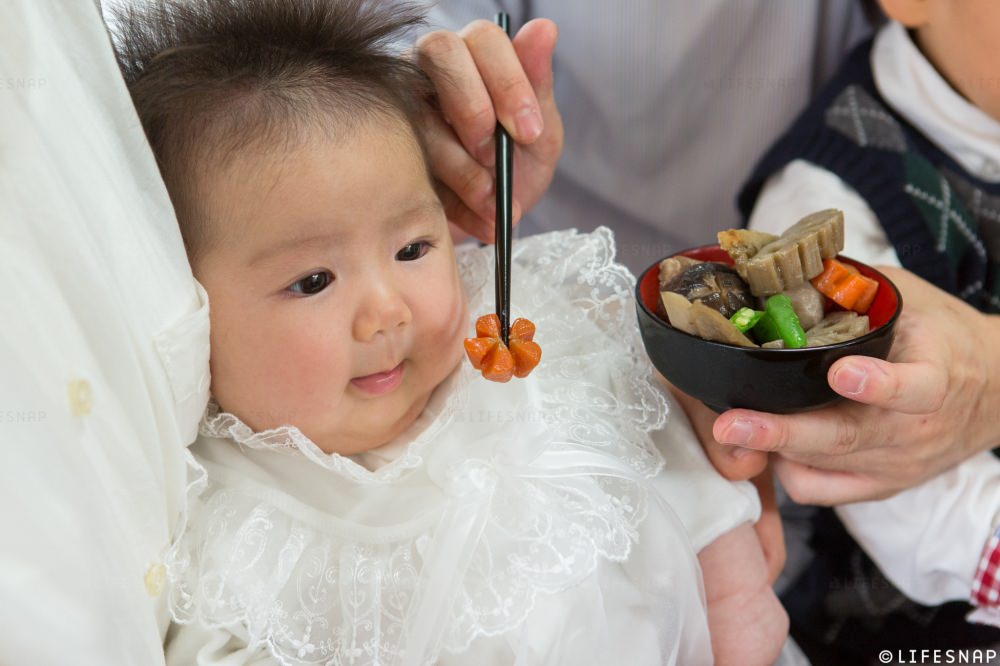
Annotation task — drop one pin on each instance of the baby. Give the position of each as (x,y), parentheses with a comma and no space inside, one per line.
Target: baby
(906,140)
(367,498)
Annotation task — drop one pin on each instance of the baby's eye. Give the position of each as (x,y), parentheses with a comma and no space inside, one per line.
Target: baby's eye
(312,284)
(413,251)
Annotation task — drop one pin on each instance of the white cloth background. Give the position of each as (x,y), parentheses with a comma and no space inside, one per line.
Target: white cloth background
(94,411)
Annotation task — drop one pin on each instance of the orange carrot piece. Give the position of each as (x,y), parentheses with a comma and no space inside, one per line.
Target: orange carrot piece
(845,286)
(493,358)
(498,366)
(522,329)
(867,297)
(477,349)
(526,355)
(488,326)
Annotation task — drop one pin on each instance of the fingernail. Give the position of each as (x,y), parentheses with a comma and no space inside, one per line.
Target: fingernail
(739,433)
(850,379)
(739,453)
(528,123)
(485,151)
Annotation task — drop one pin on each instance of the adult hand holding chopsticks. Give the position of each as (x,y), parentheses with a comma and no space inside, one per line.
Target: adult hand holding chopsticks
(501,350)
(482,76)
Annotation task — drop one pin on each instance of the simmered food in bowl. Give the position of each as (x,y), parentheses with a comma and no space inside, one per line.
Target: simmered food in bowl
(783,292)
(757,376)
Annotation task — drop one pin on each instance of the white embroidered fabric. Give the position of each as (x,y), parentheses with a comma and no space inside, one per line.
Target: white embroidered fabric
(519,523)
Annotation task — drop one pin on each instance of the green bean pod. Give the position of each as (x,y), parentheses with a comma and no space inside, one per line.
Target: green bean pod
(780,321)
(745,318)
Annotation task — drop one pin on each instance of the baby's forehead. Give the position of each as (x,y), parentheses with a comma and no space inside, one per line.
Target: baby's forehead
(280,153)
(269,145)
(318,183)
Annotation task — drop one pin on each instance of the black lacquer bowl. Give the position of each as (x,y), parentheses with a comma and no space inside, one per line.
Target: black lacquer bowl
(782,381)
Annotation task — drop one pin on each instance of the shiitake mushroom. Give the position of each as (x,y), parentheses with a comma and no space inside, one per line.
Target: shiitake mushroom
(714,285)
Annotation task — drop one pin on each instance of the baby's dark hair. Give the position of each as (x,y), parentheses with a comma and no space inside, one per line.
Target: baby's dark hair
(213,78)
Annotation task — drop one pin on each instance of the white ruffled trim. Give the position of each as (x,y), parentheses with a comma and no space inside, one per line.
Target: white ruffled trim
(290,440)
(517,516)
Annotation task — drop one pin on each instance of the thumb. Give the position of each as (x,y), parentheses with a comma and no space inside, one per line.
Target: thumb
(915,381)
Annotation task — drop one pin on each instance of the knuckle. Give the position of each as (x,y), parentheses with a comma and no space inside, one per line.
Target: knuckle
(893,389)
(514,87)
(439,43)
(472,184)
(774,438)
(481,29)
(938,392)
(847,437)
(473,115)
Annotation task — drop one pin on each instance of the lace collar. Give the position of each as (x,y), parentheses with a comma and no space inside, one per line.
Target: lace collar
(289,440)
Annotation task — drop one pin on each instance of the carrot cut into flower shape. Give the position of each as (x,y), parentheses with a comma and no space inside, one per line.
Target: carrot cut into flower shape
(526,354)
(477,349)
(522,329)
(489,354)
(498,366)
(488,326)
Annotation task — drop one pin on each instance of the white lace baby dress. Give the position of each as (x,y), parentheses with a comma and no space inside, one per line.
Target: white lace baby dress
(533,522)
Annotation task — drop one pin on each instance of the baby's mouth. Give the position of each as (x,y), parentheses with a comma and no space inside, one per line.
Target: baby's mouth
(380,383)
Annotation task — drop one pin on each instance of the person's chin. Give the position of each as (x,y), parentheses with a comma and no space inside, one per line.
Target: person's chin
(412,403)
(374,426)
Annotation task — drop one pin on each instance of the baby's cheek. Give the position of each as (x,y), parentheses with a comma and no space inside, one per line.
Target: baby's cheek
(282,376)
(453,317)
(233,371)
(443,320)
(310,371)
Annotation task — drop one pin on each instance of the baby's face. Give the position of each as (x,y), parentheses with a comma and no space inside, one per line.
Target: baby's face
(335,299)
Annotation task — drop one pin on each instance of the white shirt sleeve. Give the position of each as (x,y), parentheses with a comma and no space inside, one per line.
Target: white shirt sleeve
(926,540)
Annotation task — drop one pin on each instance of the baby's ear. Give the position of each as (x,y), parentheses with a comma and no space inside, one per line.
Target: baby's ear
(911,13)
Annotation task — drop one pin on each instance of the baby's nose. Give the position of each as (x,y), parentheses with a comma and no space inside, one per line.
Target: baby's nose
(382,309)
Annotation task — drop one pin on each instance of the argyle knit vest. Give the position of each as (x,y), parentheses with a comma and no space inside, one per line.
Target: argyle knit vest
(943,222)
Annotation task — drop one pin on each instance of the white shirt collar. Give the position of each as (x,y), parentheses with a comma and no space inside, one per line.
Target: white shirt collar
(915,89)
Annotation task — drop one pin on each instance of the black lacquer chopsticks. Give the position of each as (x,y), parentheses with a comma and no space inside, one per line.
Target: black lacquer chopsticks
(504,212)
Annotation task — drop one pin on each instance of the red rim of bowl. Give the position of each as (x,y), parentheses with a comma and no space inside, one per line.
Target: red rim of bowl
(648,283)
